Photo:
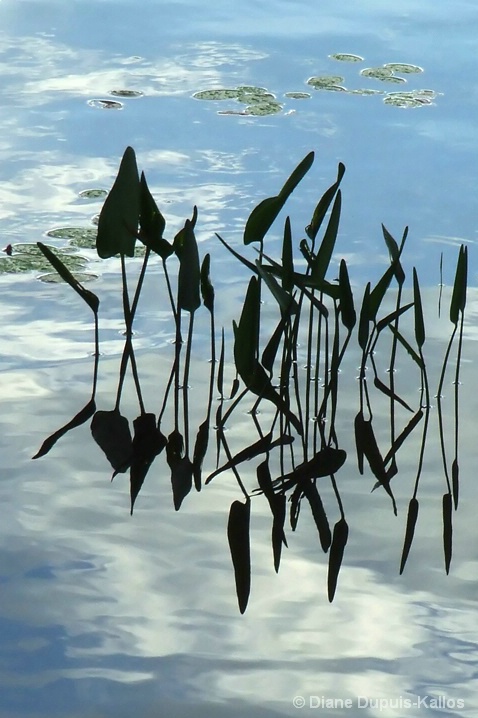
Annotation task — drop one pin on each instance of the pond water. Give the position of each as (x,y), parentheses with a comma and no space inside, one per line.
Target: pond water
(103,614)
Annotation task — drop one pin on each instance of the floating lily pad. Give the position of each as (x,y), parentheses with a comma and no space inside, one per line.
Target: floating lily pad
(394,79)
(93,193)
(224,94)
(126,93)
(54,277)
(416,98)
(106,104)
(366,91)
(298,95)
(323,82)
(379,73)
(253,89)
(27,258)
(264,108)
(403,68)
(346,57)
(74,233)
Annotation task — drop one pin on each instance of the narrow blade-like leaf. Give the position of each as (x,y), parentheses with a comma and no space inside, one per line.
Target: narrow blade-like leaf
(239,545)
(90,298)
(409,531)
(447,529)
(337,548)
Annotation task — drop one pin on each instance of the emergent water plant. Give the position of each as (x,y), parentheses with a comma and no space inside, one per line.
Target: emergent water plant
(297,447)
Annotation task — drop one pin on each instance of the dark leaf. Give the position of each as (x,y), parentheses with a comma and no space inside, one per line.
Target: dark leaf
(285,300)
(90,298)
(455,471)
(189,272)
(181,480)
(458,299)
(239,544)
(200,449)
(395,252)
(447,529)
(261,446)
(207,290)
(295,500)
(388,392)
(318,512)
(322,259)
(80,418)
(409,531)
(262,217)
(119,217)
(417,301)
(278,536)
(367,446)
(287,258)
(326,462)
(339,541)
(148,442)
(347,310)
(324,204)
(111,432)
(152,223)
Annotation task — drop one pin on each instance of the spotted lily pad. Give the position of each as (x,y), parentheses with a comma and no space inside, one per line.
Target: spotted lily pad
(415,98)
(126,93)
(27,257)
(259,100)
(379,73)
(93,193)
(324,82)
(220,94)
(346,57)
(54,277)
(74,233)
(366,91)
(403,68)
(298,95)
(263,108)
(106,104)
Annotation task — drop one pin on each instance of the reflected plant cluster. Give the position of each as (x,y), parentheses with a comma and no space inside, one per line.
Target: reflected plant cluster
(297,450)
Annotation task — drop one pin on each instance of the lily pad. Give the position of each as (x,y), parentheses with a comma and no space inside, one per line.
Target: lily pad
(93,193)
(298,95)
(27,258)
(366,91)
(403,68)
(346,57)
(224,94)
(106,104)
(416,98)
(126,93)
(379,73)
(54,277)
(74,233)
(394,79)
(264,108)
(323,82)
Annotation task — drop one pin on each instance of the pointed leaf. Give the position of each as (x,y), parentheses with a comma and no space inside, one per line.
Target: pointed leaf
(207,290)
(148,442)
(200,449)
(324,204)
(152,223)
(455,472)
(337,548)
(189,272)
(458,299)
(239,545)
(80,418)
(347,310)
(119,217)
(287,258)
(447,529)
(111,432)
(419,322)
(321,262)
(181,480)
(90,298)
(262,217)
(318,512)
(409,531)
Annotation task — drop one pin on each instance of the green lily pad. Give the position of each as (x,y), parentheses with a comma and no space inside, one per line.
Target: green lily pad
(126,93)
(346,57)
(54,277)
(249,97)
(253,89)
(366,91)
(379,73)
(106,104)
(394,79)
(322,82)
(74,233)
(403,68)
(93,193)
(264,108)
(27,258)
(224,94)
(416,98)
(298,95)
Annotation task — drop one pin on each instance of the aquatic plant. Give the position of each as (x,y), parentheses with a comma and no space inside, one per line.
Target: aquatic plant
(297,422)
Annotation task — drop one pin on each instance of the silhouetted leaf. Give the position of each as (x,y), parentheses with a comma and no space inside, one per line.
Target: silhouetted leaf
(358,422)
(318,512)
(447,529)
(285,300)
(239,544)
(148,442)
(388,392)
(337,548)
(119,217)
(278,536)
(246,333)
(395,252)
(80,418)
(181,480)
(458,299)
(417,301)
(324,204)
(261,446)
(322,259)
(207,290)
(295,500)
(386,321)
(347,310)
(262,217)
(152,223)
(367,446)
(416,358)
(270,351)
(455,472)
(416,418)
(111,432)
(363,332)
(200,449)
(90,298)
(287,258)
(409,531)
(325,462)
(189,272)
